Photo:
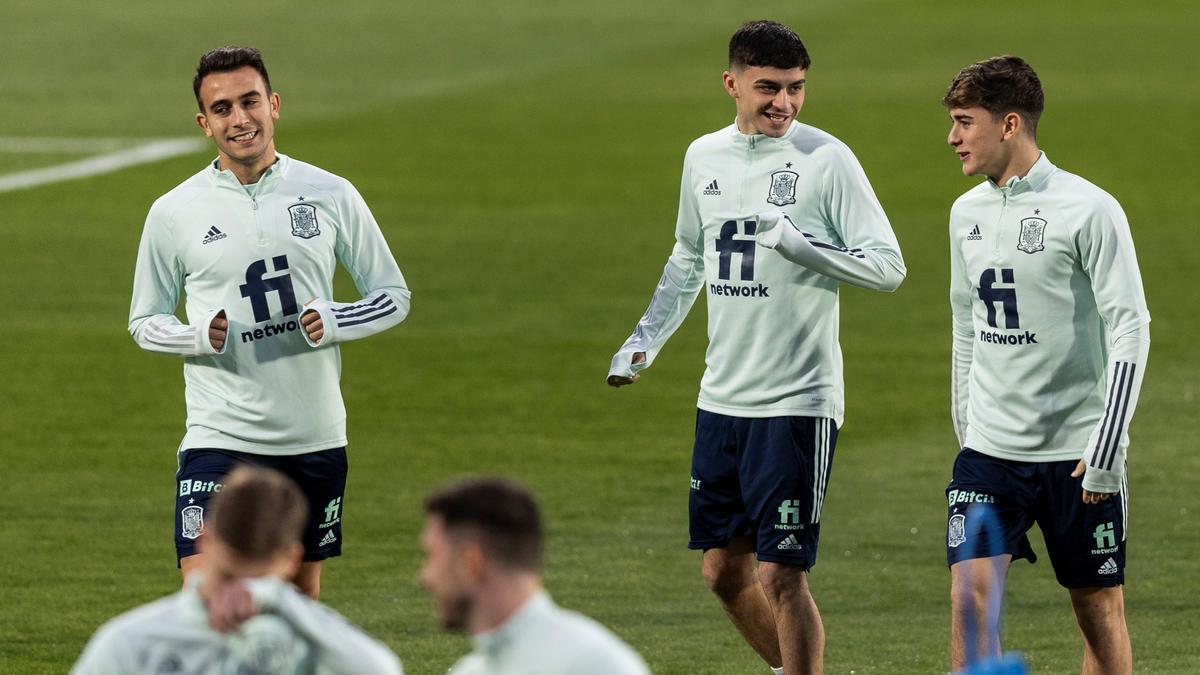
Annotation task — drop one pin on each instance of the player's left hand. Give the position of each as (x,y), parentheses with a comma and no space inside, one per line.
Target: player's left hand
(311,320)
(1089,497)
(229,606)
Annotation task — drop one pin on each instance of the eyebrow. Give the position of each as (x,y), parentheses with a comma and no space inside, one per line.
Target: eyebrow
(775,83)
(244,96)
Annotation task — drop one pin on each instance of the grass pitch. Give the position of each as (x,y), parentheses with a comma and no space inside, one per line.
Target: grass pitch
(523,159)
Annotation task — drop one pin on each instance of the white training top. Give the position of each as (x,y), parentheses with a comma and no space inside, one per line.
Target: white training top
(769,226)
(263,260)
(293,634)
(541,638)
(1051,329)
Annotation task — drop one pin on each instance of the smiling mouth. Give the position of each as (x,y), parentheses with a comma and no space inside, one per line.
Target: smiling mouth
(246,137)
(775,117)
(963,155)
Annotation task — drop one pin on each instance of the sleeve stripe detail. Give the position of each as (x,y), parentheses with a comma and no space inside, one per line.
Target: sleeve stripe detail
(1113,426)
(164,337)
(343,312)
(346,324)
(856,252)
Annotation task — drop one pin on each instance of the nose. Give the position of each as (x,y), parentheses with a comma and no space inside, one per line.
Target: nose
(952,138)
(239,115)
(782,102)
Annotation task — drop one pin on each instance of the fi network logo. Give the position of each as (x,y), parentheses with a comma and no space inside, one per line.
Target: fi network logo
(258,285)
(333,509)
(1106,539)
(789,512)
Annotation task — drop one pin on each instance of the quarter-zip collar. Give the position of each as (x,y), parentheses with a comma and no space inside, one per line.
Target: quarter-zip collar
(266,183)
(761,140)
(1032,181)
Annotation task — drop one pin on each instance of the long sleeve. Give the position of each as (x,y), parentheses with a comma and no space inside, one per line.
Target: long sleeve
(364,252)
(681,281)
(340,647)
(1110,262)
(157,280)
(962,345)
(870,257)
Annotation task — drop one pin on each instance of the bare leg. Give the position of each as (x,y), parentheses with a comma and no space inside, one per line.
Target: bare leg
(970,581)
(1101,616)
(308,579)
(801,633)
(190,564)
(730,573)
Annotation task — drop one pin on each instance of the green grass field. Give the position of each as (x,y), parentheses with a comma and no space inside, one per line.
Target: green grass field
(523,158)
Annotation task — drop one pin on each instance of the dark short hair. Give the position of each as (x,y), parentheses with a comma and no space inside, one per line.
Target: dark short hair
(259,513)
(768,44)
(500,514)
(999,85)
(227,59)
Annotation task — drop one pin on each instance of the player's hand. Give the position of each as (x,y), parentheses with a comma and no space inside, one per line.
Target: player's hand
(313,326)
(1089,497)
(217,331)
(621,380)
(229,605)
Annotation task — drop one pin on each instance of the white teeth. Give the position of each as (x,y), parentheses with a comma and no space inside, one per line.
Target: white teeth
(246,136)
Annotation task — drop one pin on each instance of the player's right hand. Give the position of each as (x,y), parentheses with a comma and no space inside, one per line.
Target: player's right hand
(621,380)
(217,330)
(229,606)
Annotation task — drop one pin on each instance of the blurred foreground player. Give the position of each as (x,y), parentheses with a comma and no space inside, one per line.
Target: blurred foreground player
(773,216)
(1051,335)
(253,241)
(483,563)
(238,614)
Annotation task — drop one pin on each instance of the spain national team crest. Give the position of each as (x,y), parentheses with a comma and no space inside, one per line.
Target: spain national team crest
(783,188)
(957,532)
(1033,235)
(304,220)
(192,518)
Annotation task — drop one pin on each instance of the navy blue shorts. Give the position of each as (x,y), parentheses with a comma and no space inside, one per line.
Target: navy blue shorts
(320,475)
(761,477)
(1086,542)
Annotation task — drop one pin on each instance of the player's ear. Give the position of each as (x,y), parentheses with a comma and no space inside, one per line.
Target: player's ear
(728,79)
(274,98)
(202,122)
(1013,125)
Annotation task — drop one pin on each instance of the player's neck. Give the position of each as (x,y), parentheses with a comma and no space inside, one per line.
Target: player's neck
(497,605)
(1022,159)
(248,174)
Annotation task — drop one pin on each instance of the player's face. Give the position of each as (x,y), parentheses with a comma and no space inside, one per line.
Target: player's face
(767,98)
(444,575)
(981,141)
(239,115)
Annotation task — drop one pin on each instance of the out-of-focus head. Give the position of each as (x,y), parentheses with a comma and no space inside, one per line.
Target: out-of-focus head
(255,525)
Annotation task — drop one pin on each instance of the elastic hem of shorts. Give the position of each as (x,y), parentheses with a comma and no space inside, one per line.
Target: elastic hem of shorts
(770,558)
(705,545)
(1108,583)
(320,556)
(1031,557)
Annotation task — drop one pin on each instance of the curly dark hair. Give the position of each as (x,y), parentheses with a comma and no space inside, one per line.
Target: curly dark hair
(999,85)
(767,43)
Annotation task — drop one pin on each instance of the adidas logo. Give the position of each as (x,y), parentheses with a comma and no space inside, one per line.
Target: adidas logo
(789,544)
(712,189)
(1109,567)
(212,235)
(974,235)
(328,539)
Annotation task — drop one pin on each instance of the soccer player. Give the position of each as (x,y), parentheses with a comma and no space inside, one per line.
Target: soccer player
(483,560)
(253,240)
(1051,334)
(773,216)
(238,613)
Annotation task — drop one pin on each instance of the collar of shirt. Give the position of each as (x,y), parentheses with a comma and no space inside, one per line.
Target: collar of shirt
(492,643)
(754,140)
(270,177)
(1033,180)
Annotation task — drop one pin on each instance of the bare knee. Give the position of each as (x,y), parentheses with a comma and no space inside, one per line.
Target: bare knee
(728,576)
(781,582)
(1098,607)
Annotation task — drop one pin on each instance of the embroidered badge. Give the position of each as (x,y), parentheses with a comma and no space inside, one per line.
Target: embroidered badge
(1033,235)
(957,532)
(193,521)
(783,188)
(304,220)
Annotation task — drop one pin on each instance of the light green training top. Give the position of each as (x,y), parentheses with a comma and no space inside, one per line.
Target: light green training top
(263,257)
(543,639)
(1051,329)
(769,227)
(293,634)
